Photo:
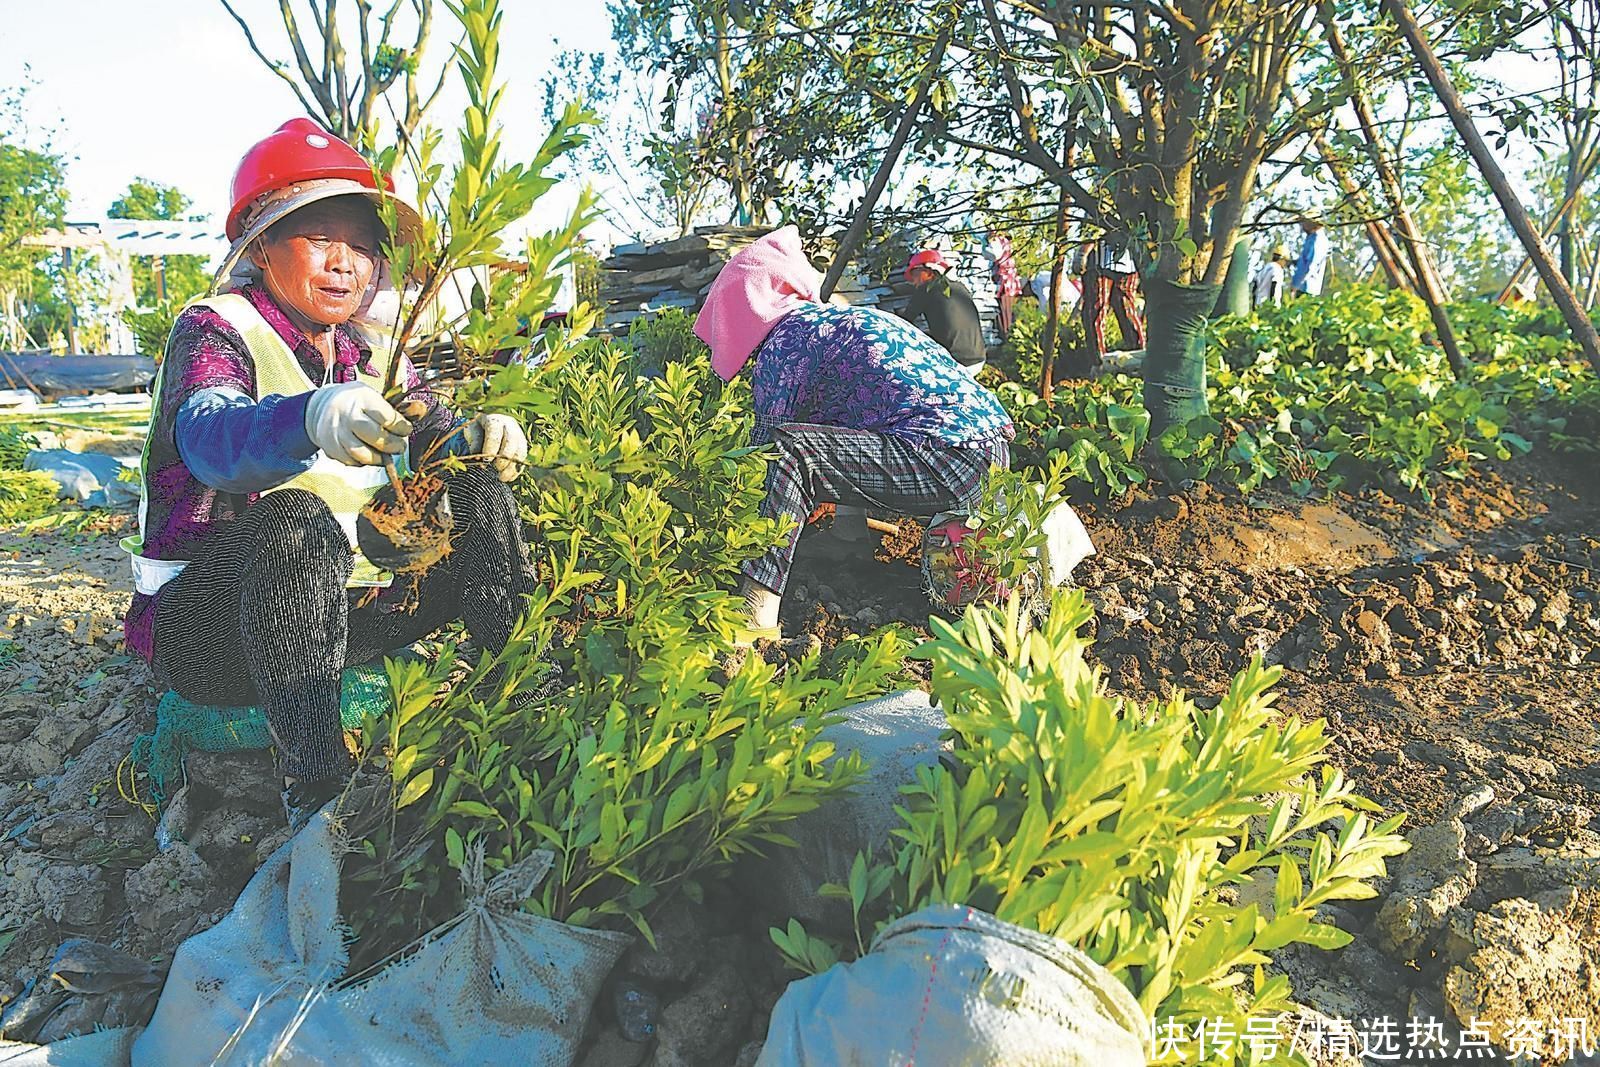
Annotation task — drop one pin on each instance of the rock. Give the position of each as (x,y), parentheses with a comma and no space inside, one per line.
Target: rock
(1472,802)
(1430,880)
(869,617)
(64,829)
(1557,611)
(97,763)
(246,780)
(176,887)
(1533,768)
(226,839)
(611,1049)
(1372,627)
(681,937)
(1527,959)
(72,896)
(895,735)
(749,1054)
(706,1024)
(637,1009)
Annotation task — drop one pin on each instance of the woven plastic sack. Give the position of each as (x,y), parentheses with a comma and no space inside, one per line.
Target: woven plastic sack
(183,726)
(266,984)
(950,986)
(103,1048)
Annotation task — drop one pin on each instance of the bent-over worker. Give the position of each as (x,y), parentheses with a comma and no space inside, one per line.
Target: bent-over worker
(947,307)
(862,408)
(267,436)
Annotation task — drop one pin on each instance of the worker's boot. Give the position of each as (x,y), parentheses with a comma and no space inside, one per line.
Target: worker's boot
(302,799)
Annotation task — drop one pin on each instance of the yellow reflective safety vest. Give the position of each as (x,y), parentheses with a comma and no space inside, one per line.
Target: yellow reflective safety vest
(345,489)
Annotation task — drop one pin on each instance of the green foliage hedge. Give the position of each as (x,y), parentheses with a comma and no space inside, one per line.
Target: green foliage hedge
(1343,390)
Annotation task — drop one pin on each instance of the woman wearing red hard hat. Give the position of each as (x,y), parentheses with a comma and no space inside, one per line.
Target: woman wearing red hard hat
(268,435)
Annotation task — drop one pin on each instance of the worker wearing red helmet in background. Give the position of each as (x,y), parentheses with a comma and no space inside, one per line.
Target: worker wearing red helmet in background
(268,434)
(947,307)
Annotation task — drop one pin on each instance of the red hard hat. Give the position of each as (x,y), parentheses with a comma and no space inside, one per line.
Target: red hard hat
(928,257)
(299,150)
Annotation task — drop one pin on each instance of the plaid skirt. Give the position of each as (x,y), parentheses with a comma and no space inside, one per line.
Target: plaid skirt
(858,468)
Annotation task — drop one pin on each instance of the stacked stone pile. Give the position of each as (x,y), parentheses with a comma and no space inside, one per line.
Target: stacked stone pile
(642,279)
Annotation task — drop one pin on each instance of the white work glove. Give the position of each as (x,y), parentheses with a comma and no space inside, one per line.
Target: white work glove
(500,440)
(355,425)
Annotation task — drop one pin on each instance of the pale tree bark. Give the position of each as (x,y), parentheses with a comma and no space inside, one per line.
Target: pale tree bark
(1577,319)
(347,92)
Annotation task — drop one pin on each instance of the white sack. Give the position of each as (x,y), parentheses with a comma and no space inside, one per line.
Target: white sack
(493,986)
(950,986)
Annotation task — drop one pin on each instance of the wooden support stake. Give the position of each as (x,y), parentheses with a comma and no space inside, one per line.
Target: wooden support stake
(1576,318)
(1429,286)
(858,225)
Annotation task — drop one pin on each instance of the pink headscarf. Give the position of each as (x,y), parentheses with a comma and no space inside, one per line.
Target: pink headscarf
(759,286)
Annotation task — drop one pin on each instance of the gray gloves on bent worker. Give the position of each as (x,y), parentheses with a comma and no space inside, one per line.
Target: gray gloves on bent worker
(500,440)
(355,425)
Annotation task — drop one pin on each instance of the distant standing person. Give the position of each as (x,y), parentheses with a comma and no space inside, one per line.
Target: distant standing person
(947,307)
(1312,267)
(1071,290)
(1007,282)
(1111,279)
(1270,278)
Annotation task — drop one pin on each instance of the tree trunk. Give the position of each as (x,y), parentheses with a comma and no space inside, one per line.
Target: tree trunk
(858,225)
(1174,361)
(1576,318)
(1058,269)
(1383,243)
(1234,299)
(1429,287)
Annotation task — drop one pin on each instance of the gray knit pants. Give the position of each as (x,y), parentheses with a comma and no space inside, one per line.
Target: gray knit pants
(263,617)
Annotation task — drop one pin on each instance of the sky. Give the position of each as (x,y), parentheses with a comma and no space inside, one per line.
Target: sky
(168,89)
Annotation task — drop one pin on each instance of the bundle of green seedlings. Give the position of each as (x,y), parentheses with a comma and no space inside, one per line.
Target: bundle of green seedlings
(24,495)
(1131,831)
(407,528)
(637,752)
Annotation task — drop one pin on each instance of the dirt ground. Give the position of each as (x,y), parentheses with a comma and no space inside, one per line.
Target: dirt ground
(1447,642)
(1450,644)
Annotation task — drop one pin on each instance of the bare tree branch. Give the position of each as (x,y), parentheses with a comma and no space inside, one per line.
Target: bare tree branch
(276,68)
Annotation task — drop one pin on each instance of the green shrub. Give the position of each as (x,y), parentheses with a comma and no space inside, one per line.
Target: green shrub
(653,482)
(26,495)
(1100,427)
(1127,830)
(1019,358)
(15,444)
(152,327)
(1342,390)
(665,337)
